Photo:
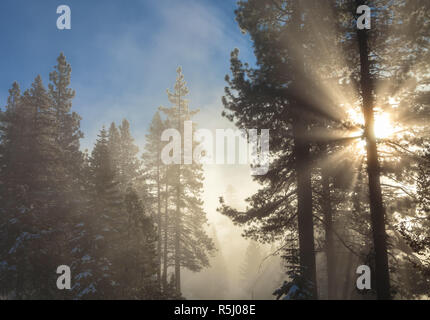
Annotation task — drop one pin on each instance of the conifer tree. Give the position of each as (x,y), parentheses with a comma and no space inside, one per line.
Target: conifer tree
(191,243)
(98,279)
(116,255)
(275,96)
(13,190)
(129,164)
(114,146)
(138,256)
(387,61)
(36,208)
(70,172)
(155,173)
(68,122)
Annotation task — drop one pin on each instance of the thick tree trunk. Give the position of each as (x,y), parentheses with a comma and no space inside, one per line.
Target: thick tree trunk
(303,167)
(377,211)
(348,277)
(304,206)
(328,228)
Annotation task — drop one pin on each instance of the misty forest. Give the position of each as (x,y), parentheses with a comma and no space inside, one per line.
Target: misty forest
(348,184)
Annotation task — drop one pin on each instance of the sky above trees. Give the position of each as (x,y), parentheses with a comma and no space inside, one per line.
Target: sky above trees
(123,57)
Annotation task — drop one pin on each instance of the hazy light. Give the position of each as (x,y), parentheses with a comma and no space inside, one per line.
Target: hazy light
(383,126)
(361,147)
(394,102)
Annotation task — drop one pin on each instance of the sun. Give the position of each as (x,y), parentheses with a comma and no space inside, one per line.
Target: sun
(383,126)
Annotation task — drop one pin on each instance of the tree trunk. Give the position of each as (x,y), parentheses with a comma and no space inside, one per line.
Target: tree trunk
(177,243)
(328,226)
(159,225)
(304,206)
(178,209)
(303,167)
(377,211)
(165,250)
(348,277)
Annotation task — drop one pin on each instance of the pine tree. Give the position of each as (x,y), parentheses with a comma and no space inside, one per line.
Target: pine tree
(129,164)
(138,256)
(416,233)
(13,190)
(114,146)
(306,73)
(36,208)
(46,184)
(153,172)
(68,122)
(191,243)
(373,168)
(116,254)
(275,96)
(99,276)
(70,173)
(387,61)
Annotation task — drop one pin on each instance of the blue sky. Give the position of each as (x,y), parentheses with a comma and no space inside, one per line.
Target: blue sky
(123,54)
